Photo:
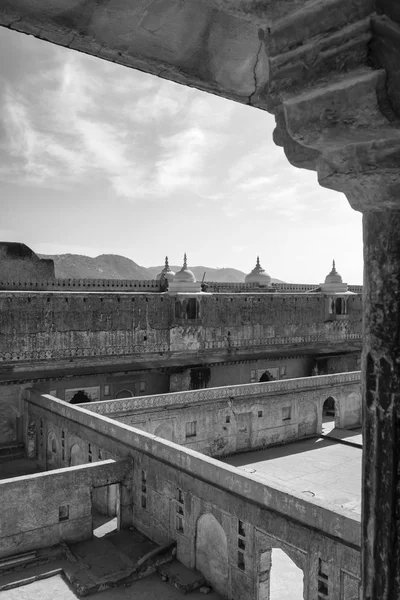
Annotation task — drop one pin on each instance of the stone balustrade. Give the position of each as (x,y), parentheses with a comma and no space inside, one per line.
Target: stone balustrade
(107,407)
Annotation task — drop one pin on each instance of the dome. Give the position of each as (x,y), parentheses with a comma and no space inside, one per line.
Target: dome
(258,275)
(166,272)
(185,275)
(333,276)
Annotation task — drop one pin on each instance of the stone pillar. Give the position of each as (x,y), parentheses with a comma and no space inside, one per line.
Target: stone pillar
(381,395)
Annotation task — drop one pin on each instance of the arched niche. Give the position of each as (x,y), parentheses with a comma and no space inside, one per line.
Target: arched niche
(351,410)
(308,419)
(52,451)
(212,552)
(76,456)
(166,430)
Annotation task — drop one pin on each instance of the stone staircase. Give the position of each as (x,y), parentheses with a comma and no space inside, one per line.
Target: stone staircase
(117,559)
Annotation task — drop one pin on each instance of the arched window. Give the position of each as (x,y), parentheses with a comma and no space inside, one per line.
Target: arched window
(339,306)
(192,309)
(178,309)
(124,394)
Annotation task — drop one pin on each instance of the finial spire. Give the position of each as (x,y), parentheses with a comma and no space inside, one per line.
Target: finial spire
(333,265)
(258,261)
(166,262)
(185,261)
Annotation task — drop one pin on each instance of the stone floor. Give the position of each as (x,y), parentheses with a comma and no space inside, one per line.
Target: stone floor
(149,588)
(324,469)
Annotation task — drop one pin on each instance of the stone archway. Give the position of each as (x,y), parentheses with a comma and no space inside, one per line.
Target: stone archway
(331,413)
(286,578)
(76,456)
(212,552)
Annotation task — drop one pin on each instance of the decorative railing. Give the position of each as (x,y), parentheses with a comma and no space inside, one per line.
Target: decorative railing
(148,347)
(152,285)
(231,392)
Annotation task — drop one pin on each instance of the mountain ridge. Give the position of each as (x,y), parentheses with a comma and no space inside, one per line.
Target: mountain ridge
(116,266)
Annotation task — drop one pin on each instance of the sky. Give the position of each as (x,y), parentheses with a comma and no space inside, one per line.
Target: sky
(96,158)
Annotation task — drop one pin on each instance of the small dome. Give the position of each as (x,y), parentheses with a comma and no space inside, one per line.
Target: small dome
(333,276)
(258,275)
(167,272)
(185,275)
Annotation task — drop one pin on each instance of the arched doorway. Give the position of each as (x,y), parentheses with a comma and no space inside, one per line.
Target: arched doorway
(124,394)
(286,578)
(329,414)
(212,552)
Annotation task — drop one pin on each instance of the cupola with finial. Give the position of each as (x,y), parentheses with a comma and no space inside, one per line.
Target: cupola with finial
(166,272)
(258,275)
(184,281)
(334,282)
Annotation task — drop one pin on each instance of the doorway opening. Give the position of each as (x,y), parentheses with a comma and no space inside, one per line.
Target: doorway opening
(80,398)
(286,578)
(328,415)
(106,509)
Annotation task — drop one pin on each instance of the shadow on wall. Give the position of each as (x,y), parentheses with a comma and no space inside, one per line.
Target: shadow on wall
(212,552)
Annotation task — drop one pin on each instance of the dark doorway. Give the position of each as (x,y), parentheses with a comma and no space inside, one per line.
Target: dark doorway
(266,376)
(80,398)
(106,509)
(199,378)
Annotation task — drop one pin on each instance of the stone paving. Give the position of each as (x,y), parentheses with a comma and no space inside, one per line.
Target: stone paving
(322,469)
(55,588)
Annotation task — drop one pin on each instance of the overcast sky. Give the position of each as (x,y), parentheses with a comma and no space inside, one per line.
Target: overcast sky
(96,158)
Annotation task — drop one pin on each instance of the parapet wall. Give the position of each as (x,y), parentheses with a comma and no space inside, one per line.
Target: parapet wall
(222,421)
(13,282)
(82,285)
(30,506)
(231,392)
(43,326)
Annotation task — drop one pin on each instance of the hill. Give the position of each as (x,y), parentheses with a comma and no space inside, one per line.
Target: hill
(105,266)
(113,266)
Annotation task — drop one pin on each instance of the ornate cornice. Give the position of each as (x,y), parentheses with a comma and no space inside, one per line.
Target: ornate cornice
(229,393)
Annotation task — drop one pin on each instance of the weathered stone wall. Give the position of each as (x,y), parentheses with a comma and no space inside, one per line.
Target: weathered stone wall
(60,326)
(178,479)
(221,421)
(20,263)
(30,505)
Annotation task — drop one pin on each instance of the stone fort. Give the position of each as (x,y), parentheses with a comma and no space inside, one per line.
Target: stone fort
(328,71)
(214,374)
